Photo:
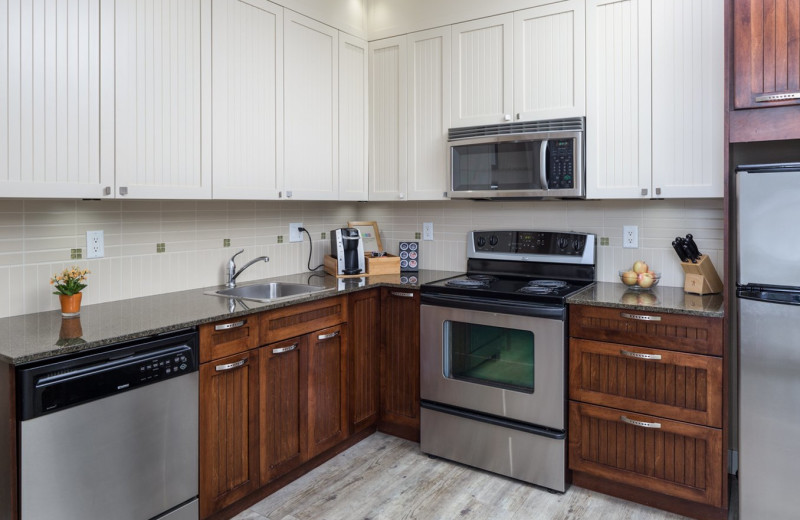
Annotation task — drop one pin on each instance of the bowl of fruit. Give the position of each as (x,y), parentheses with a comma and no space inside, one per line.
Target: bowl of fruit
(639,277)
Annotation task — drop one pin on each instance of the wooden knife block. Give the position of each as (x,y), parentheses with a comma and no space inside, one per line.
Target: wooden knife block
(701,278)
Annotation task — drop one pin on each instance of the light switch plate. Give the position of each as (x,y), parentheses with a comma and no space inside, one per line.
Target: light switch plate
(95,244)
(427,231)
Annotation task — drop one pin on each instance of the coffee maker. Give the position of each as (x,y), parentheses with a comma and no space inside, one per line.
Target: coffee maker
(348,250)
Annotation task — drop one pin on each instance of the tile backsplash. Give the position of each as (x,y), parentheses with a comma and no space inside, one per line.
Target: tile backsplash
(38,238)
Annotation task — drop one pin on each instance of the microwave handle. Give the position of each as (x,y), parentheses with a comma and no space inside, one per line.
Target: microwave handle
(543,164)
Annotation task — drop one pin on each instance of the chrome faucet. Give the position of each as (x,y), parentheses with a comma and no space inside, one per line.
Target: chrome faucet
(233,273)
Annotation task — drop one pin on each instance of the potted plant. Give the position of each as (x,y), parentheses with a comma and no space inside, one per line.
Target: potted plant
(68,284)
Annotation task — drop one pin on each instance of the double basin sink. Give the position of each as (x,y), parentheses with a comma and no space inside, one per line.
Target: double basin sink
(268,292)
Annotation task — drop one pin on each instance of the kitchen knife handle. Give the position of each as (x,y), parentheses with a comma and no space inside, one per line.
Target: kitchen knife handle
(679,251)
(640,317)
(642,424)
(692,246)
(650,357)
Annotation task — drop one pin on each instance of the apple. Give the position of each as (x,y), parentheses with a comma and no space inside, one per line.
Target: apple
(645,280)
(640,266)
(629,278)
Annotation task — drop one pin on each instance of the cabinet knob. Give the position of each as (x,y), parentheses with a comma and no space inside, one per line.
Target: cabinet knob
(123,190)
(107,191)
(658,191)
(507,117)
(644,192)
(288,194)
(401,195)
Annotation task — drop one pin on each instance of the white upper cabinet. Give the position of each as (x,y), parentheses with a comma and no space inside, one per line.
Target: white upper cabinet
(428,113)
(50,120)
(247,99)
(550,61)
(482,54)
(353,118)
(311,108)
(388,174)
(688,100)
(163,103)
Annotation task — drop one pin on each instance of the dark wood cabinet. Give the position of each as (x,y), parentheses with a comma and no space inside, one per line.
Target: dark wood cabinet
(327,389)
(228,430)
(365,340)
(399,363)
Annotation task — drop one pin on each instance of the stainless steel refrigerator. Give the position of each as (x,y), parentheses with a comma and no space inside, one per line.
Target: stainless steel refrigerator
(768,301)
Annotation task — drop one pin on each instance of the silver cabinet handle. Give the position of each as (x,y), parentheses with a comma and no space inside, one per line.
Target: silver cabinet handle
(658,191)
(652,357)
(640,317)
(281,350)
(654,425)
(123,190)
(107,191)
(231,366)
(327,336)
(234,325)
(402,294)
(777,97)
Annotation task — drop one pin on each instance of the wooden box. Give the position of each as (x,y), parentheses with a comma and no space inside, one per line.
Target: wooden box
(332,269)
(701,277)
(386,264)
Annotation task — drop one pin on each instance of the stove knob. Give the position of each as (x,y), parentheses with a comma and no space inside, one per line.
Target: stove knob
(493,240)
(481,241)
(577,244)
(563,242)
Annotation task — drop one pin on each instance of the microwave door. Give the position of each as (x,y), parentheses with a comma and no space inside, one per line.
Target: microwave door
(518,168)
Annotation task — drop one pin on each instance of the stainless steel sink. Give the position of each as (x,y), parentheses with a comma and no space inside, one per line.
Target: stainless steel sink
(266,292)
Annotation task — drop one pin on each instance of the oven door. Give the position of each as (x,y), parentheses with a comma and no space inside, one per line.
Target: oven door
(495,363)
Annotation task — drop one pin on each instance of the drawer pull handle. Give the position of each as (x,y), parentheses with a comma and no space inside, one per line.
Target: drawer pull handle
(402,294)
(652,357)
(231,366)
(640,317)
(234,325)
(327,336)
(778,97)
(281,350)
(640,423)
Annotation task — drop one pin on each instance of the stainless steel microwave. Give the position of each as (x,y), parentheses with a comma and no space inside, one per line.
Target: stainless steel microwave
(537,159)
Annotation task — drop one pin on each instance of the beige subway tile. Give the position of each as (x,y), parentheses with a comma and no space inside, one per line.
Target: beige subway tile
(50,206)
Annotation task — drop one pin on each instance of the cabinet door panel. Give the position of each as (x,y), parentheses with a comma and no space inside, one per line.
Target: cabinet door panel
(364,374)
(247,99)
(353,118)
(162,99)
(327,393)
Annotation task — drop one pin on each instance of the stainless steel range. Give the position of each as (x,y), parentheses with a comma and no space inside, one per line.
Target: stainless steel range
(493,353)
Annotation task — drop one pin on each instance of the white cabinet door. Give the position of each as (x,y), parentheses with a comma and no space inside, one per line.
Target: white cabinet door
(688,101)
(388,119)
(428,113)
(550,61)
(353,118)
(311,108)
(50,120)
(163,103)
(618,150)
(247,99)
(482,92)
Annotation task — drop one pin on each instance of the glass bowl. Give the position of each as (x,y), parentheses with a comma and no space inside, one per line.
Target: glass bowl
(640,284)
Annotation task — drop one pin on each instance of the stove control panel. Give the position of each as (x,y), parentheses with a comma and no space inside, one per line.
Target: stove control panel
(546,246)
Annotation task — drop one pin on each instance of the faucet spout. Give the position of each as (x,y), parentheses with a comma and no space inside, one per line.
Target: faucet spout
(233,274)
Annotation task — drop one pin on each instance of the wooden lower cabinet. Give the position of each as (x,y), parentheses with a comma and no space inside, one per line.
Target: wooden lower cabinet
(364,366)
(228,430)
(327,389)
(399,363)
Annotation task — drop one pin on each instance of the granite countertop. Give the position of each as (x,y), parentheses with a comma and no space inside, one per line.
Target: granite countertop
(657,299)
(33,337)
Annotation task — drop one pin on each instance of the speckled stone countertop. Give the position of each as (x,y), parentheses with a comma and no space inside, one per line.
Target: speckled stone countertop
(34,337)
(658,299)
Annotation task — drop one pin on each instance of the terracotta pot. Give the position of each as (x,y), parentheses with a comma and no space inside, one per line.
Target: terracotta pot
(70,305)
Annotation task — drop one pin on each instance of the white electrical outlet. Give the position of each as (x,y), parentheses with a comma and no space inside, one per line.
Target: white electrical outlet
(95,244)
(295,235)
(630,237)
(427,231)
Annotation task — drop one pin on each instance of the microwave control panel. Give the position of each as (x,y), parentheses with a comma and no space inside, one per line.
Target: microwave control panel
(560,169)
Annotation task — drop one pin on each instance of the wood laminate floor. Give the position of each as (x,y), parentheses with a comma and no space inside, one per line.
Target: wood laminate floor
(388,478)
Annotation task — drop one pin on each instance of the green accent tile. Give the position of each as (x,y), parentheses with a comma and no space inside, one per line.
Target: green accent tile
(280,239)
(78,253)
(322,235)
(161,247)
(417,235)
(73,254)
(604,241)
(226,242)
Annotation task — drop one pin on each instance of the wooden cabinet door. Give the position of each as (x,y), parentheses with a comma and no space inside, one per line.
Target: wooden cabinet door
(327,389)
(550,61)
(311,109)
(674,458)
(162,99)
(364,370)
(56,60)
(766,36)
(428,114)
(353,118)
(399,414)
(688,98)
(247,99)
(228,431)
(482,71)
(388,119)
(284,405)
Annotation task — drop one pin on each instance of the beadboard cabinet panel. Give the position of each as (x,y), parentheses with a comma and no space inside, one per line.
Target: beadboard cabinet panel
(247,99)
(311,108)
(353,118)
(50,104)
(162,109)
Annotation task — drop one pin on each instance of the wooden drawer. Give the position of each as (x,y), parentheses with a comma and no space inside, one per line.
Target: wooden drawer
(677,459)
(229,337)
(675,385)
(296,320)
(697,334)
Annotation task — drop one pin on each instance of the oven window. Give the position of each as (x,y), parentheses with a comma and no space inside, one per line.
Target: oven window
(485,354)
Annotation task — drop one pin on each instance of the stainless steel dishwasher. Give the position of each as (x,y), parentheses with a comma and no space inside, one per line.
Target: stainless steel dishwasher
(112,434)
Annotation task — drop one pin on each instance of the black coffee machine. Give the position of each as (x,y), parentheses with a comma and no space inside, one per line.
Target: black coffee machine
(348,250)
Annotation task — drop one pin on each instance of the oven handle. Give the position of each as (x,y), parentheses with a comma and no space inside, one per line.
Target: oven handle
(497,421)
(553,312)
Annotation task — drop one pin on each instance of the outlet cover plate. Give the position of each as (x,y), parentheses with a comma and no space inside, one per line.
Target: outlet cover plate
(95,244)
(427,231)
(295,235)
(630,237)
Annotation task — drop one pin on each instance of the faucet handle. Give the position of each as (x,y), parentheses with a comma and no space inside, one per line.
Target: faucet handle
(237,254)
